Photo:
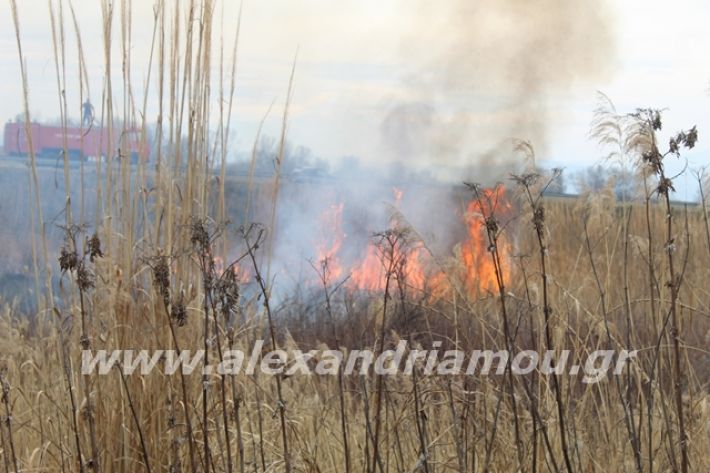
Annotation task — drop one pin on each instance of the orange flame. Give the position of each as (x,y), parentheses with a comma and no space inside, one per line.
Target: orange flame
(219,268)
(414,275)
(398,193)
(480,267)
(331,239)
(369,273)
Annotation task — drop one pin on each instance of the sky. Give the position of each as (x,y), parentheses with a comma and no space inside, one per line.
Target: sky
(435,83)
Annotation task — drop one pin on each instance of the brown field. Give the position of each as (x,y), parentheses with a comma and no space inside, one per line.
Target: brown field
(135,257)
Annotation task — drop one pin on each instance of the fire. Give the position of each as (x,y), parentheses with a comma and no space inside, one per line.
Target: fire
(369,274)
(398,193)
(391,250)
(406,262)
(480,269)
(331,240)
(412,262)
(219,268)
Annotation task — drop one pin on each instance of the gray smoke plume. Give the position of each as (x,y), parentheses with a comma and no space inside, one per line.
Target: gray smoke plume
(492,70)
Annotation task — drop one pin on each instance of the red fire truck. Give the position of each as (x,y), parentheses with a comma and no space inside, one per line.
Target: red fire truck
(49,140)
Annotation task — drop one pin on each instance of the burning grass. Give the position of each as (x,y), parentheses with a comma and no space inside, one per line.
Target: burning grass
(463,422)
(156,266)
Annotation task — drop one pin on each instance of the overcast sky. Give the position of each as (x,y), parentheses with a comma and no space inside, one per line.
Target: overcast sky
(361,62)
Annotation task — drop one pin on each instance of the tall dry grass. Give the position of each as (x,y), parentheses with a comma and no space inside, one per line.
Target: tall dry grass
(587,274)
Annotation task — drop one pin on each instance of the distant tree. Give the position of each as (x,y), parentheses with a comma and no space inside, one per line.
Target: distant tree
(594,178)
(626,183)
(598,177)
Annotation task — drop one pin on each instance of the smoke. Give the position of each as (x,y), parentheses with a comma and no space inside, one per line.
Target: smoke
(493,70)
(480,73)
(365,203)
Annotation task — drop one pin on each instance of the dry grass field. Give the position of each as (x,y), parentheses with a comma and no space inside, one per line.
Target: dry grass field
(149,263)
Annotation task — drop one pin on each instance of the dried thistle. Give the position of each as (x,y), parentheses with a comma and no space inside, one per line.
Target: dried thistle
(84,278)
(68,259)
(161,278)
(94,247)
(86,412)
(691,137)
(650,116)
(5,386)
(179,313)
(85,342)
(665,185)
(227,289)
(653,158)
(199,236)
(526,180)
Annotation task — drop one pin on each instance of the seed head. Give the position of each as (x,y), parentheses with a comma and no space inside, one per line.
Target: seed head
(200,237)
(68,259)
(94,247)
(161,278)
(179,313)
(5,388)
(665,185)
(228,292)
(84,278)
